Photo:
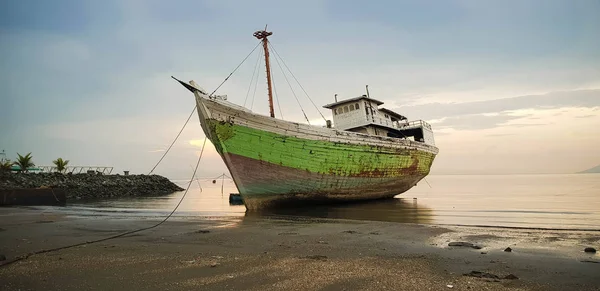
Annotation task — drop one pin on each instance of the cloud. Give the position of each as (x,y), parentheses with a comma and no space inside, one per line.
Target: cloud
(500,134)
(550,144)
(473,121)
(579,98)
(499,112)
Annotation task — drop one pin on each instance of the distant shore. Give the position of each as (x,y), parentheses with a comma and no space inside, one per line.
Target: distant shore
(87,186)
(258,253)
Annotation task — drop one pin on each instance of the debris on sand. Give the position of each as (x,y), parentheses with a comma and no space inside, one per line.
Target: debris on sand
(590,250)
(508,250)
(317,257)
(479,274)
(463,244)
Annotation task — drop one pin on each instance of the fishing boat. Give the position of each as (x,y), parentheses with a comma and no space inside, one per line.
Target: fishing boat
(369,152)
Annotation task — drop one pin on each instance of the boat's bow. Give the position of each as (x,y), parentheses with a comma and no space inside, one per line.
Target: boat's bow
(201,97)
(192,86)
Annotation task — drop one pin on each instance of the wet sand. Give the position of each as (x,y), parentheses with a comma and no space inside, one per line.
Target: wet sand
(286,253)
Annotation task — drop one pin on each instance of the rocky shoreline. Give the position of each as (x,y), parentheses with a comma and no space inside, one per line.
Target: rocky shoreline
(89,186)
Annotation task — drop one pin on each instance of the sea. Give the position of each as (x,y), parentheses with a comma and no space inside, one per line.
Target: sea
(561,201)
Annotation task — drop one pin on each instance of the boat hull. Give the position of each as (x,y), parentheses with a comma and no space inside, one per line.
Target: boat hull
(268,185)
(275,162)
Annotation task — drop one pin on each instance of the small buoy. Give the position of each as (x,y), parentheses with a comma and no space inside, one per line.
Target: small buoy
(214,181)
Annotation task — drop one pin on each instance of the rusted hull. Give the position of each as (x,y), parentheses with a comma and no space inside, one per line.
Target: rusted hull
(264,185)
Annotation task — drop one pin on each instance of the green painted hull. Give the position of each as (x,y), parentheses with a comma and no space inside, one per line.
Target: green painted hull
(274,161)
(271,168)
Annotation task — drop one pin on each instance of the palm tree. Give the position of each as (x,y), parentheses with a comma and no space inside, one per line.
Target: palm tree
(5,166)
(24,162)
(60,164)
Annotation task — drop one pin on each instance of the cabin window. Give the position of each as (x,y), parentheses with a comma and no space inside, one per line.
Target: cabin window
(351,107)
(357,106)
(335,111)
(346,109)
(387,116)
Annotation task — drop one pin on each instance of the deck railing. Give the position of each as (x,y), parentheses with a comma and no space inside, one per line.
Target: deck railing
(77,169)
(415,123)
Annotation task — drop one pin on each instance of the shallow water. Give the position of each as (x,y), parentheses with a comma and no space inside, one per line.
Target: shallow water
(528,201)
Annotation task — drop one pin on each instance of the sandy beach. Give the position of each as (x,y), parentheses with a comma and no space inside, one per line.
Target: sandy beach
(286,253)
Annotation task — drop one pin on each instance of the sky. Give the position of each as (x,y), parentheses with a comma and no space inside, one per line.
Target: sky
(509,87)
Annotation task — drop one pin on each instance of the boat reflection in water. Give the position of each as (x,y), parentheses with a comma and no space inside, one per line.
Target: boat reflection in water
(212,202)
(405,210)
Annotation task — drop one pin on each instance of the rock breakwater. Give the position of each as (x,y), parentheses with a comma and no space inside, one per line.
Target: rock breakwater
(86,186)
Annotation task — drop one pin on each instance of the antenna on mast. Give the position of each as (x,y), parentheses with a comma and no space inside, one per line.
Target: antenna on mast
(263,36)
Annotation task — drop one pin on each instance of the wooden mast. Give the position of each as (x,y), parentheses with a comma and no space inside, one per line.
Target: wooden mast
(262,35)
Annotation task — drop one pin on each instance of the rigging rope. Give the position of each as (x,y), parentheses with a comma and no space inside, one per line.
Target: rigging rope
(301,87)
(292,89)
(197,179)
(276,98)
(255,86)
(222,176)
(234,69)
(252,79)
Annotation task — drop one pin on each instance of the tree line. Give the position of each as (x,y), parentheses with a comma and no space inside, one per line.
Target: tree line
(26,162)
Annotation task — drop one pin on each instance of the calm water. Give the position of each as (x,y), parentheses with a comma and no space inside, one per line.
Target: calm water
(531,201)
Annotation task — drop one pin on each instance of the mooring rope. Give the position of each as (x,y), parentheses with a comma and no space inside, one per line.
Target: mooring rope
(23,257)
(176,137)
